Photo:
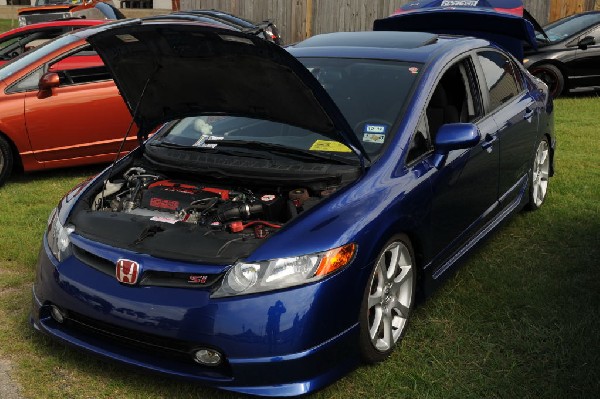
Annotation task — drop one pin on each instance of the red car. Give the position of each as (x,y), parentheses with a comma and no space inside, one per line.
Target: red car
(16,41)
(59,105)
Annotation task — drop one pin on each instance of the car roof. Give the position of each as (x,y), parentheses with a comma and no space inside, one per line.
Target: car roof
(405,46)
(79,22)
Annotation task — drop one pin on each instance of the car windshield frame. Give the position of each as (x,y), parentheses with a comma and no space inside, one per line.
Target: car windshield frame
(356,86)
(19,63)
(568,27)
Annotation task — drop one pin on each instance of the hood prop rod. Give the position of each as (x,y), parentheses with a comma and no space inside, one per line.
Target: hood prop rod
(133,118)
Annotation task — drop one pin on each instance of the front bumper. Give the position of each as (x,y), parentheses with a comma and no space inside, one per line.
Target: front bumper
(288,352)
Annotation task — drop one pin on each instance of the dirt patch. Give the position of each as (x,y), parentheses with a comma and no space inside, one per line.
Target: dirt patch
(9,388)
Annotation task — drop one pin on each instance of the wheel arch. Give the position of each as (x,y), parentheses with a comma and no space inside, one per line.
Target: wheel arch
(560,65)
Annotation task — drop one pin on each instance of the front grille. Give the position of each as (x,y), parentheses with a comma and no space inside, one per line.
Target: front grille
(149,277)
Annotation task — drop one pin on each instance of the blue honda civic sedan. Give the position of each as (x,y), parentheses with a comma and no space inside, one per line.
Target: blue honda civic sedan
(286,206)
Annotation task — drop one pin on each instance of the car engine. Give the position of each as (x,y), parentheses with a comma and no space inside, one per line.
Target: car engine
(249,212)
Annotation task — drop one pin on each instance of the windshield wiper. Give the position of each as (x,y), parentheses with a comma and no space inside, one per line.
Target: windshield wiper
(214,150)
(279,149)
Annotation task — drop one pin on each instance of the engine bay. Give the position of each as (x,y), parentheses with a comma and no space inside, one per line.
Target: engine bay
(178,218)
(258,212)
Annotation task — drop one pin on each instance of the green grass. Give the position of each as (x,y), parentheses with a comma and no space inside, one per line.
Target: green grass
(7,24)
(520,319)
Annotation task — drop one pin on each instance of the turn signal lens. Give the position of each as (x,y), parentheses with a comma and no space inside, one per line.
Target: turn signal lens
(335,259)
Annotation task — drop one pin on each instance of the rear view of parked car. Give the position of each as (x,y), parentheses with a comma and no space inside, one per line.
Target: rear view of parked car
(51,10)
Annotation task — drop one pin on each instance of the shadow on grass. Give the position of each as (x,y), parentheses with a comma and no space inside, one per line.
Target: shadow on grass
(53,174)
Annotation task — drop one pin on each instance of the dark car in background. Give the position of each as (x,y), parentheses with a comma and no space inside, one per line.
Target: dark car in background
(568,56)
(266,29)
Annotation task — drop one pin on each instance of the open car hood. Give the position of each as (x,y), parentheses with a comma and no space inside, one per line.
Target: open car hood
(168,70)
(506,29)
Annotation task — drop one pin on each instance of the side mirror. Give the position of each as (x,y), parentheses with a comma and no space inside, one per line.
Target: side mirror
(48,81)
(454,136)
(585,42)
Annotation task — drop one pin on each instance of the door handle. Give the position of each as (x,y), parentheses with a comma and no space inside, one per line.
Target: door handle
(488,142)
(528,113)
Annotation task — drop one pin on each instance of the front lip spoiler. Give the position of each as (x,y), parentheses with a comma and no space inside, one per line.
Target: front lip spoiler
(240,366)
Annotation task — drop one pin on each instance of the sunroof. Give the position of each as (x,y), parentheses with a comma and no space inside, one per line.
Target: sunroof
(381,39)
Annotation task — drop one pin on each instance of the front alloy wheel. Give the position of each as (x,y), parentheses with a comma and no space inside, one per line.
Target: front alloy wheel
(539,176)
(389,298)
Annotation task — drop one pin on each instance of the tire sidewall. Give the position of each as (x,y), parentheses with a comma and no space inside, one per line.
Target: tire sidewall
(6,156)
(554,70)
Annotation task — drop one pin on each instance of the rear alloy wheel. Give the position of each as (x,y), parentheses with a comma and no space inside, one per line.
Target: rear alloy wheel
(6,160)
(540,173)
(552,76)
(388,300)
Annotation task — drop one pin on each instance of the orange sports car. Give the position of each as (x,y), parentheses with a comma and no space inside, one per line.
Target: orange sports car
(50,10)
(60,107)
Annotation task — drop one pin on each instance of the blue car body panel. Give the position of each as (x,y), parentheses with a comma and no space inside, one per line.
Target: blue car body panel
(297,340)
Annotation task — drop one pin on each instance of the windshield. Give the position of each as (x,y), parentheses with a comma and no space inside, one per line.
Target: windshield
(567,27)
(25,59)
(371,95)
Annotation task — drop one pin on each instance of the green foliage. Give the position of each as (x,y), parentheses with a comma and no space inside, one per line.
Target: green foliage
(520,319)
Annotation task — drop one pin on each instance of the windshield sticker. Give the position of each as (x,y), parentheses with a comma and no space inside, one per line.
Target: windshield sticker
(413,70)
(329,146)
(202,141)
(369,128)
(374,138)
(128,38)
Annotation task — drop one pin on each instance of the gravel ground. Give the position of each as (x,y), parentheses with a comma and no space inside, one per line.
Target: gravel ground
(9,389)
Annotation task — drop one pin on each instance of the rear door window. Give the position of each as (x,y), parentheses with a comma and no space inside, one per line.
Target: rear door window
(501,78)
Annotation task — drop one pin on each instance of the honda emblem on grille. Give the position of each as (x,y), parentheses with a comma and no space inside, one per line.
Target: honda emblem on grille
(127,271)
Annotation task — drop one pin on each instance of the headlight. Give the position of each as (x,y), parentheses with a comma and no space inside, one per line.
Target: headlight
(58,237)
(248,278)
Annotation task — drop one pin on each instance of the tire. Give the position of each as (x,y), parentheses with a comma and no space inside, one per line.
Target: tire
(388,300)
(6,160)
(540,173)
(552,76)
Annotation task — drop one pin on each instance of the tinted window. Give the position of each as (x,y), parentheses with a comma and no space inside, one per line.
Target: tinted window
(567,27)
(369,93)
(500,77)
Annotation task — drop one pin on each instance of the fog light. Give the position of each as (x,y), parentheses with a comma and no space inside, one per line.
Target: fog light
(207,357)
(57,314)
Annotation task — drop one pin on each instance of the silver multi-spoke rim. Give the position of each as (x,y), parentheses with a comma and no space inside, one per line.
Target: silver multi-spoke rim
(541,169)
(390,296)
